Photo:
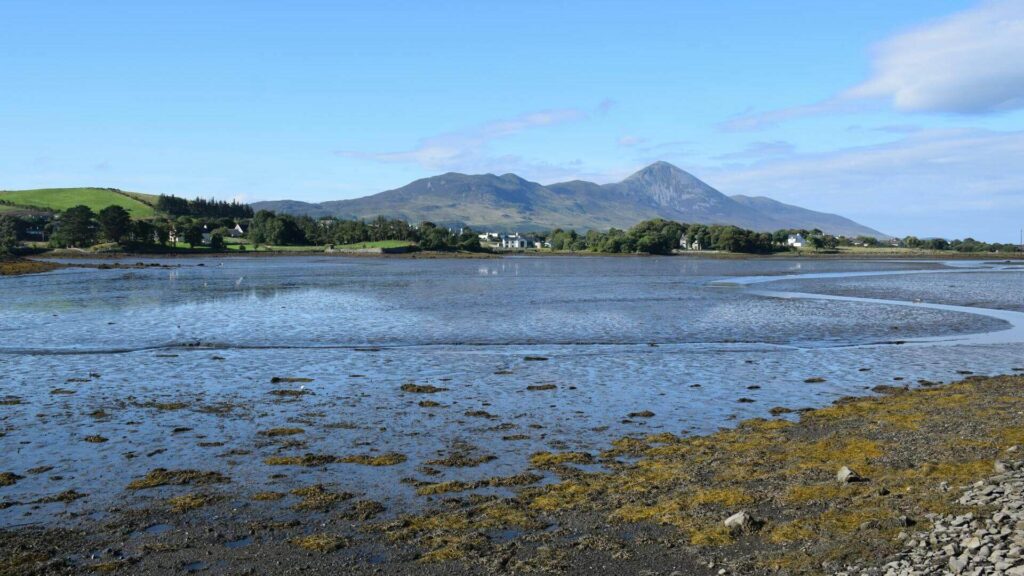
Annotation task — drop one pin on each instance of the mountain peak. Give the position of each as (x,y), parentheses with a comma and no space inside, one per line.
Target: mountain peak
(659,168)
(509,202)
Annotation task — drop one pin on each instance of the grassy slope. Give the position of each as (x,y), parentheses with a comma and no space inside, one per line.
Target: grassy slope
(139,205)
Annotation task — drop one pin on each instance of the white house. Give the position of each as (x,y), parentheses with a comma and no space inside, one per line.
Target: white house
(514,241)
(237,231)
(695,245)
(795,240)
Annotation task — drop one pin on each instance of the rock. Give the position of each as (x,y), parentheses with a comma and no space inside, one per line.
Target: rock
(845,475)
(958,563)
(971,543)
(740,522)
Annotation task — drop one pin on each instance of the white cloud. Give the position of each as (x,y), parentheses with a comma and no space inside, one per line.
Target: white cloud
(934,182)
(466,150)
(969,63)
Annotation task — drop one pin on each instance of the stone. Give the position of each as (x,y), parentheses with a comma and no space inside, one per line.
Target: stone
(739,522)
(845,475)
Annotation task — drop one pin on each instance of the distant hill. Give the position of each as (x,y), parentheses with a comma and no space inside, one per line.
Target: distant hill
(508,202)
(137,204)
(804,218)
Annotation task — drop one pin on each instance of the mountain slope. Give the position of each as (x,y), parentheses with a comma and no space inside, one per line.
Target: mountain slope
(508,202)
(798,217)
(678,195)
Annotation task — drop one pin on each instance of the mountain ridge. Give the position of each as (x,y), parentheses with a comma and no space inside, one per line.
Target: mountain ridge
(509,202)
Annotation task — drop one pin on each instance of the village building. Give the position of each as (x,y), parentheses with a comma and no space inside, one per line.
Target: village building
(796,240)
(514,242)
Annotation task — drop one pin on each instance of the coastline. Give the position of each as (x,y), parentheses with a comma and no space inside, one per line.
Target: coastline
(23,266)
(42,260)
(658,503)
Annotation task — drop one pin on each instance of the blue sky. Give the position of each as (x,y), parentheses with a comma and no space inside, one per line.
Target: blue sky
(906,116)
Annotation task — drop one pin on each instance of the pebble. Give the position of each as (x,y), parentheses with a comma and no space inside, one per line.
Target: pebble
(988,541)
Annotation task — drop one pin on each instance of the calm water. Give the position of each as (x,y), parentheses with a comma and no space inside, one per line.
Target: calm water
(683,338)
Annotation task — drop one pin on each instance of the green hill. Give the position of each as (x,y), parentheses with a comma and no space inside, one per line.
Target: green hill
(138,205)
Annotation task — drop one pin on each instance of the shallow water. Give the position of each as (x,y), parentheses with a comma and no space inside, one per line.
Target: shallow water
(683,338)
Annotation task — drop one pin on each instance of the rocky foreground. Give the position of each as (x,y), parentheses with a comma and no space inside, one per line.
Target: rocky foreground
(988,541)
(922,481)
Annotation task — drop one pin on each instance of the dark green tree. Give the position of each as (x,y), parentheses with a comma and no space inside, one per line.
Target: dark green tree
(8,234)
(115,223)
(143,232)
(76,228)
(217,243)
(193,235)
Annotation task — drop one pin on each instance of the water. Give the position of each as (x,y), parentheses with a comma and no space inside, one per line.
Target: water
(683,338)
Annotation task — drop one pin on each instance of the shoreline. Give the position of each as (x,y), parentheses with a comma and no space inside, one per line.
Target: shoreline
(714,255)
(658,503)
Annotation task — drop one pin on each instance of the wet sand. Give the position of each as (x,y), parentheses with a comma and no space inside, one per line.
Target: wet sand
(658,505)
(294,460)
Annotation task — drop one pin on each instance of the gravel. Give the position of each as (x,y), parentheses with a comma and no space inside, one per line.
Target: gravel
(987,540)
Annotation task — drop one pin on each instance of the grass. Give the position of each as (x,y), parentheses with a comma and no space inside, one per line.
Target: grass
(138,205)
(239,244)
(378,244)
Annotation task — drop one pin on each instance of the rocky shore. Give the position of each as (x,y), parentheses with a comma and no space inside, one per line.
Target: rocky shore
(987,540)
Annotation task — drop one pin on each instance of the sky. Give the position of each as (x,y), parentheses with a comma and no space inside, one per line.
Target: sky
(906,116)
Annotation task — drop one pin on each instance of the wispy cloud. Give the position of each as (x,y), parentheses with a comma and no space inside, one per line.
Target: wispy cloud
(934,182)
(468,149)
(748,122)
(758,150)
(629,141)
(967,63)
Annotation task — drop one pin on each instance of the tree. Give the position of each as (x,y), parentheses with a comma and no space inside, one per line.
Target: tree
(76,228)
(8,234)
(163,233)
(434,239)
(194,235)
(143,232)
(217,243)
(115,223)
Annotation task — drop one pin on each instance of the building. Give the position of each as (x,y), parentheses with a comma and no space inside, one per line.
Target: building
(795,240)
(237,231)
(514,242)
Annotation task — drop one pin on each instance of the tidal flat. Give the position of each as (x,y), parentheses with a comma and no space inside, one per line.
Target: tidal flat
(312,414)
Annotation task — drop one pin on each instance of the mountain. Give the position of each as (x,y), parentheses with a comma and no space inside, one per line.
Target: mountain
(804,218)
(508,202)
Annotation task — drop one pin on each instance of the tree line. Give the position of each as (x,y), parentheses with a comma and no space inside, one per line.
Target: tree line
(80,227)
(660,236)
(284,229)
(203,208)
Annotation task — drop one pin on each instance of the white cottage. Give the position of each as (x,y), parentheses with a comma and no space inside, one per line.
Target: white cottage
(514,242)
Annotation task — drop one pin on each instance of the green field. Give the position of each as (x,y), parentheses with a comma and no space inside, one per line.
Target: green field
(138,205)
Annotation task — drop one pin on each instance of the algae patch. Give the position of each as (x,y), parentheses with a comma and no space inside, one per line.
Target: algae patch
(164,477)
